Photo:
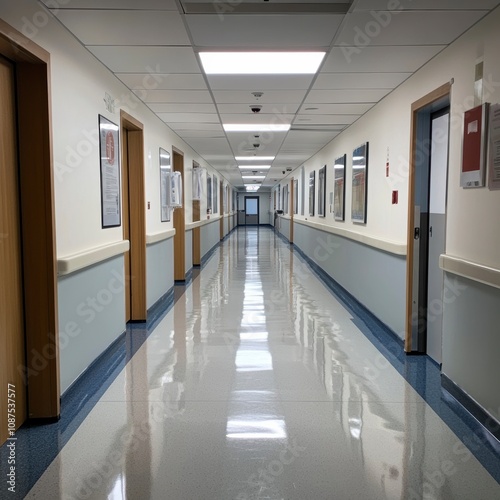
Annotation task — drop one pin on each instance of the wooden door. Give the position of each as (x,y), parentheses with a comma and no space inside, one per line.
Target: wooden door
(126,221)
(180,226)
(12,341)
(134,216)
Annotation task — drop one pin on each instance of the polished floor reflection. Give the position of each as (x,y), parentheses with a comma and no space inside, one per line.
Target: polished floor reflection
(259,384)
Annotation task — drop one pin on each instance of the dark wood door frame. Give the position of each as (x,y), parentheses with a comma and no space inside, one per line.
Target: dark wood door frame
(196,230)
(41,372)
(292,207)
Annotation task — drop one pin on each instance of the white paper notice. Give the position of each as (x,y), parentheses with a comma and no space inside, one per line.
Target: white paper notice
(473,127)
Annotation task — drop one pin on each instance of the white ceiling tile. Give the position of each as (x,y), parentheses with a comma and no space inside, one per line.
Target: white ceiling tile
(163,82)
(331,109)
(379,59)
(114,4)
(176,96)
(296,138)
(185,134)
(106,27)
(340,96)
(260,83)
(189,117)
(325,119)
(242,144)
(406,28)
(182,108)
(282,158)
(374,5)
(210,145)
(257,31)
(133,59)
(333,81)
(196,126)
(243,108)
(270,97)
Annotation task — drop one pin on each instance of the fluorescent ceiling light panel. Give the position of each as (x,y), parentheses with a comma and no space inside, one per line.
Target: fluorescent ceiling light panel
(252,127)
(253,176)
(254,158)
(261,63)
(254,167)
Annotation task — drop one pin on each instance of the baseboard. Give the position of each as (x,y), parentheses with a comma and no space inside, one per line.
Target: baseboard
(472,406)
(165,301)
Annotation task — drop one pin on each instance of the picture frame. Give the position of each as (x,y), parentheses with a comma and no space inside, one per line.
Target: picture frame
(209,194)
(312,187)
(109,153)
(165,171)
(321,191)
(285,199)
(197,179)
(215,189)
(474,147)
(339,188)
(359,184)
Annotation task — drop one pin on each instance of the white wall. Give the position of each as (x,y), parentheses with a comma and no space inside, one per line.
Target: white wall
(264,205)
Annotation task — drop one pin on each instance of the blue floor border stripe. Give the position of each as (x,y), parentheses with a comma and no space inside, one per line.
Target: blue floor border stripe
(421,372)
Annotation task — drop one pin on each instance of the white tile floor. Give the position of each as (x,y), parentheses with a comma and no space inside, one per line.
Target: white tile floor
(257,385)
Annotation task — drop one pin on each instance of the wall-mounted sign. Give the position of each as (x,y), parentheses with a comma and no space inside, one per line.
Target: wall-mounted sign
(474,147)
(494,160)
(165,169)
(109,149)
(359,183)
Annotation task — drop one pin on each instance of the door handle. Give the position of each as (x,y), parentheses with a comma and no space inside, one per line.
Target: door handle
(430,231)
(416,234)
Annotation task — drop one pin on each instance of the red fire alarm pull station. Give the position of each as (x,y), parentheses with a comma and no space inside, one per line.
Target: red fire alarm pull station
(394,197)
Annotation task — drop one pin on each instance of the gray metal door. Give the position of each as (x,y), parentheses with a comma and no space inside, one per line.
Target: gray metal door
(431,171)
(251,210)
(437,231)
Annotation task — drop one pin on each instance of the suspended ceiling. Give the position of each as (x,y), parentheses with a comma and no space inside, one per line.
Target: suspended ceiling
(372,46)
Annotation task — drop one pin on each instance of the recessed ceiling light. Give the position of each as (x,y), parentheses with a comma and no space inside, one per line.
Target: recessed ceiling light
(253,176)
(254,158)
(252,127)
(263,63)
(254,167)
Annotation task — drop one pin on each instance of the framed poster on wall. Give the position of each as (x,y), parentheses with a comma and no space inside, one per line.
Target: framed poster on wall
(109,150)
(359,183)
(339,188)
(215,187)
(312,186)
(209,194)
(474,146)
(321,191)
(165,171)
(197,179)
(494,147)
